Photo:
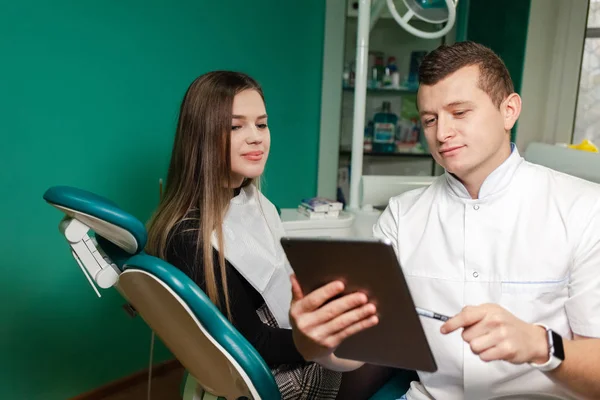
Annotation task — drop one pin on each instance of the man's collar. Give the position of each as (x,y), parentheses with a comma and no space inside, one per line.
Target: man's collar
(495,182)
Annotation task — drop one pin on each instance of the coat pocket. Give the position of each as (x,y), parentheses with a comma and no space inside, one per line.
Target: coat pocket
(533,288)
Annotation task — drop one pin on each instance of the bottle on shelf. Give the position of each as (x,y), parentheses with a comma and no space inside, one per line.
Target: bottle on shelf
(391,77)
(368,141)
(348,75)
(377,73)
(384,130)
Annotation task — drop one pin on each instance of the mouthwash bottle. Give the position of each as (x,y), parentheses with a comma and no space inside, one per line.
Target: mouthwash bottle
(384,130)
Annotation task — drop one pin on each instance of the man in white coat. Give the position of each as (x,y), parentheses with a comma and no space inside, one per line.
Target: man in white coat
(510,249)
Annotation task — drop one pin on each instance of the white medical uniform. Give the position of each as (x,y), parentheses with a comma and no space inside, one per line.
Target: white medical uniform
(530,243)
(251,233)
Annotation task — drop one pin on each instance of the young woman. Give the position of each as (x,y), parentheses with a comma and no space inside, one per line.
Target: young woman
(215,225)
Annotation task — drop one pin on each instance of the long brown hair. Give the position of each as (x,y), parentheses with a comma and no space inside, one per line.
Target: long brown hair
(199,176)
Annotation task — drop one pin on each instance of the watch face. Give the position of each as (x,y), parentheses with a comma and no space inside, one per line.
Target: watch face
(557,343)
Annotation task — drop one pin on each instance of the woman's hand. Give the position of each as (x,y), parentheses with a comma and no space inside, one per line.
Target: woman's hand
(319,328)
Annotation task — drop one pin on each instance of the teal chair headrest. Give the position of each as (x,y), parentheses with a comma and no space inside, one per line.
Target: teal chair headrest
(103,216)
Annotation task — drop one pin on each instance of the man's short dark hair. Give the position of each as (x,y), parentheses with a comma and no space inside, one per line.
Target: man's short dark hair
(494,78)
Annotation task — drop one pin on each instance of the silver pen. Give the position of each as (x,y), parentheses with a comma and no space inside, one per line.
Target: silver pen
(431,314)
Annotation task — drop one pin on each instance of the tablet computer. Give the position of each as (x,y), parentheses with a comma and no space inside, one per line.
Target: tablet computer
(369,266)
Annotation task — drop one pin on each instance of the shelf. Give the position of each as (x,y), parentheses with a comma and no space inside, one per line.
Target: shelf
(347,152)
(385,91)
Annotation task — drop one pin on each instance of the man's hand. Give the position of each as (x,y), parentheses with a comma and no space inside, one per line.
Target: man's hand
(495,334)
(319,329)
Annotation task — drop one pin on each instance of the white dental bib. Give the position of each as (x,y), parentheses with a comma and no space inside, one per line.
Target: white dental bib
(251,233)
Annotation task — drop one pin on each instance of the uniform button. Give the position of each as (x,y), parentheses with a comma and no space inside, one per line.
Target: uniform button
(475,274)
(476,207)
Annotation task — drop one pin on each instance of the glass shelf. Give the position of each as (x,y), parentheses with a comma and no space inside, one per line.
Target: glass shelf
(408,153)
(401,90)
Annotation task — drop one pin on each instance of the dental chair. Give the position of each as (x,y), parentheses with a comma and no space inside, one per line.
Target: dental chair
(108,245)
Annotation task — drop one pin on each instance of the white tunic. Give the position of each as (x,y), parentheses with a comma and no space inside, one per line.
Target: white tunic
(530,243)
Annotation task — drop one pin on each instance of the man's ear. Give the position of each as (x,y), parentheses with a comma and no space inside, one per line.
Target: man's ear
(511,109)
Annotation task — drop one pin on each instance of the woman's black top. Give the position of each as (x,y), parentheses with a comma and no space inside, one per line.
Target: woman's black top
(275,345)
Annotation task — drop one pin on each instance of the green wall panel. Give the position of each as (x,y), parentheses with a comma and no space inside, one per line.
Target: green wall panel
(502,26)
(89,93)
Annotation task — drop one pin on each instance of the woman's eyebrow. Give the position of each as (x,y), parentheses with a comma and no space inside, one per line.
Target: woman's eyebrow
(244,117)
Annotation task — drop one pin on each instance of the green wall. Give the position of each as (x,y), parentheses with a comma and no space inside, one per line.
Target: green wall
(502,26)
(89,93)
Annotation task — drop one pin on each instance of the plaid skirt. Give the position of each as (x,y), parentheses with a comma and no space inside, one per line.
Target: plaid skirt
(302,381)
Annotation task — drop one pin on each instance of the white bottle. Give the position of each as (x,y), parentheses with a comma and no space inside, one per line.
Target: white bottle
(396,80)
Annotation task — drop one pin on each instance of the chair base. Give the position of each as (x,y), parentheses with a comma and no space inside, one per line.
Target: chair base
(193,391)
(397,386)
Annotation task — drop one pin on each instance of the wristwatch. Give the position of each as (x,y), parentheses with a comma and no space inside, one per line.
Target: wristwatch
(555,350)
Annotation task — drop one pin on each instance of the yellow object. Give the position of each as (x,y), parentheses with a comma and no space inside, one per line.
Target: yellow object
(585,145)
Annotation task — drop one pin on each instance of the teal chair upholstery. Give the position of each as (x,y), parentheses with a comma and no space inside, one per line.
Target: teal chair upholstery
(107,243)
